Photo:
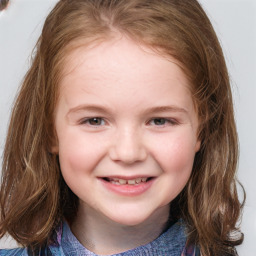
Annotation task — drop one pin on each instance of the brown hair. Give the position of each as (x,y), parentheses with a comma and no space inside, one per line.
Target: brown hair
(34,197)
(3,4)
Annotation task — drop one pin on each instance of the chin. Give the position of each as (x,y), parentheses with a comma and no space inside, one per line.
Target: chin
(130,219)
(131,222)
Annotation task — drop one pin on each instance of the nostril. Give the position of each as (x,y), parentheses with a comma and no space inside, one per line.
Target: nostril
(121,153)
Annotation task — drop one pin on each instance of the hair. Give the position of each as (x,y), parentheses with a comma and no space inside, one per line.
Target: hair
(3,4)
(34,197)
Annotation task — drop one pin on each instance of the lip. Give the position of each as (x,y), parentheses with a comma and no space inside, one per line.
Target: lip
(128,190)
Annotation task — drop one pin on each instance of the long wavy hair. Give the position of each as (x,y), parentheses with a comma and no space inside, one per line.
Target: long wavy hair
(34,197)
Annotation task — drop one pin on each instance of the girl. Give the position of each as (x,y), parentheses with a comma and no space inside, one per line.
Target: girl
(122,139)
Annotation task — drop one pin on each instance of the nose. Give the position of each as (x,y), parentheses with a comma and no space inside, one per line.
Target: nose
(128,147)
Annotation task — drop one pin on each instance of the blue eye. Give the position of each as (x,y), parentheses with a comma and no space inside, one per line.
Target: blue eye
(95,121)
(162,121)
(159,121)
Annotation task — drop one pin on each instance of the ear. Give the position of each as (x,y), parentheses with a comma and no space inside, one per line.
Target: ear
(198,145)
(54,146)
(55,150)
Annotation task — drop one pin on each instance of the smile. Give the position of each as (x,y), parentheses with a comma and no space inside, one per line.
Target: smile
(128,186)
(118,181)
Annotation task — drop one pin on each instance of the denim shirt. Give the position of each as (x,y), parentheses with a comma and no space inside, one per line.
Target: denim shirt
(170,243)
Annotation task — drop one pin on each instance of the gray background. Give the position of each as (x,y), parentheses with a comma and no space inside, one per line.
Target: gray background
(235,24)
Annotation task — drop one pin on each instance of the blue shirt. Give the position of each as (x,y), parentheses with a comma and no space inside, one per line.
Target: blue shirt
(170,243)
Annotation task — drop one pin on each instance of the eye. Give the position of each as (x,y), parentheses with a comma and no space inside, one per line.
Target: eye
(162,121)
(159,121)
(95,121)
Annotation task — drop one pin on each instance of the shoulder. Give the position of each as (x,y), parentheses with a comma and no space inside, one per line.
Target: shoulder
(14,252)
(51,250)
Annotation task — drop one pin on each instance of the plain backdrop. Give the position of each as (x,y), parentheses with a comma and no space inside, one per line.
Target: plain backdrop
(235,24)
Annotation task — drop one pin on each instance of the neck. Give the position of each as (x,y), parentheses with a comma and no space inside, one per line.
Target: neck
(102,236)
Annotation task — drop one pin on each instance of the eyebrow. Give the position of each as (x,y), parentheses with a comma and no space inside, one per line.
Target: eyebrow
(102,109)
(170,108)
(85,107)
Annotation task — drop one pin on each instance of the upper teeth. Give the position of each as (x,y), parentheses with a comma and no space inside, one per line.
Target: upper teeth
(130,182)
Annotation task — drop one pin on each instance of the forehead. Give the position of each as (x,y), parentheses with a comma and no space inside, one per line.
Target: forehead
(119,55)
(125,79)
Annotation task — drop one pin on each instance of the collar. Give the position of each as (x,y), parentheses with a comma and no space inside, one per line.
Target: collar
(171,242)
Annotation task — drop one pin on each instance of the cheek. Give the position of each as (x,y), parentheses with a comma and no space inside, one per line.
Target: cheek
(77,154)
(176,153)
(176,161)
(176,157)
(77,161)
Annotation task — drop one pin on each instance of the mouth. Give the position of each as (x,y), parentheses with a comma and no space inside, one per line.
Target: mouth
(128,186)
(132,182)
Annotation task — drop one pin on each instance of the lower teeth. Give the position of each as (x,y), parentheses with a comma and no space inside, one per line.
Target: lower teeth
(127,182)
(135,184)
(117,183)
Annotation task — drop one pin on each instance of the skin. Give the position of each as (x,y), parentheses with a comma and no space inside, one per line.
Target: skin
(145,126)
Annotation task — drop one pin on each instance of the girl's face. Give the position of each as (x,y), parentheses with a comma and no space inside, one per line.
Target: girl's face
(127,130)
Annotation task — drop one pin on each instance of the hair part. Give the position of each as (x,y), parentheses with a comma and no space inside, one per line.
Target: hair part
(35,198)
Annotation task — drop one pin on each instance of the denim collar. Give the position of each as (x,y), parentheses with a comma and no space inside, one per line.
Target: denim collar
(171,242)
